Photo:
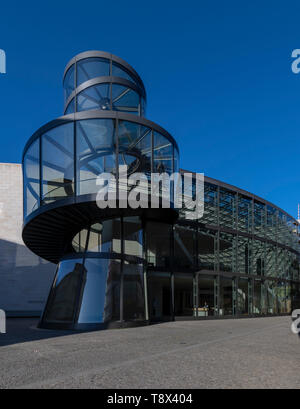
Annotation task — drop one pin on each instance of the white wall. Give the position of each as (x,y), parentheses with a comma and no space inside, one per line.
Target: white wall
(25,279)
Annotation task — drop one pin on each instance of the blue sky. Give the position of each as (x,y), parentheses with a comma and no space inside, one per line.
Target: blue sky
(218,78)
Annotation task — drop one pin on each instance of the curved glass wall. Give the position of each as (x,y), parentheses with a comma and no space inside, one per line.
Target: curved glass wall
(123,98)
(103,280)
(108,96)
(101,145)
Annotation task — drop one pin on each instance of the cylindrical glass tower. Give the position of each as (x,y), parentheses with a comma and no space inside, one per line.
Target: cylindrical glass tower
(100,253)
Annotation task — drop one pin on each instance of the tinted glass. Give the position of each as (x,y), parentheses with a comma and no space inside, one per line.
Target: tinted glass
(95,152)
(91,68)
(69,82)
(96,97)
(31,178)
(58,163)
(61,306)
(100,292)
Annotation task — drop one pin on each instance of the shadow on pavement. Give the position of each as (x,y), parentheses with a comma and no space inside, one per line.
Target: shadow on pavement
(19,330)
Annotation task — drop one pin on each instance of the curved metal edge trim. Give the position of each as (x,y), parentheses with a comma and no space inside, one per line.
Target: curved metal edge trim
(104,80)
(241,192)
(85,199)
(78,116)
(105,55)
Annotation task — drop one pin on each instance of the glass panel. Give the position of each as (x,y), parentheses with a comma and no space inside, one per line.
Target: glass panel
(69,82)
(226,296)
(95,152)
(227,253)
(118,71)
(227,208)
(71,107)
(105,237)
(271,223)
(158,244)
(207,249)
(244,255)
(135,147)
(257,297)
(206,296)
(91,68)
(210,215)
(100,292)
(281,297)
(270,259)
(183,295)
(133,236)
(162,154)
(61,306)
(32,178)
(160,296)
(185,244)
(244,214)
(243,304)
(96,97)
(259,219)
(271,296)
(133,290)
(259,256)
(79,241)
(58,163)
(125,99)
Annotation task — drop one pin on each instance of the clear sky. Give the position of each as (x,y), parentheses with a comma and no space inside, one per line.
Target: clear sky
(217,74)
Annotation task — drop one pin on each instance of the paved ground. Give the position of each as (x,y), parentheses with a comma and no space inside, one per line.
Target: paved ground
(239,353)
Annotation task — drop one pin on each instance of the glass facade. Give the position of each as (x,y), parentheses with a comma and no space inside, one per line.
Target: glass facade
(74,154)
(121,90)
(239,259)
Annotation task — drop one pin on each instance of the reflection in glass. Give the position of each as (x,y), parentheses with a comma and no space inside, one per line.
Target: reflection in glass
(207,305)
(58,163)
(96,97)
(100,301)
(227,291)
(133,290)
(134,147)
(183,295)
(119,71)
(32,178)
(125,99)
(158,241)
(243,301)
(133,236)
(159,296)
(257,297)
(95,152)
(270,287)
(184,247)
(61,306)
(162,154)
(208,249)
(69,82)
(91,68)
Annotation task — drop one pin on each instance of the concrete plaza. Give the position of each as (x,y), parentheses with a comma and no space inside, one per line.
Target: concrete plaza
(230,353)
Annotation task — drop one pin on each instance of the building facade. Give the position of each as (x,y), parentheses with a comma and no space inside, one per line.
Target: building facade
(25,278)
(123,266)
